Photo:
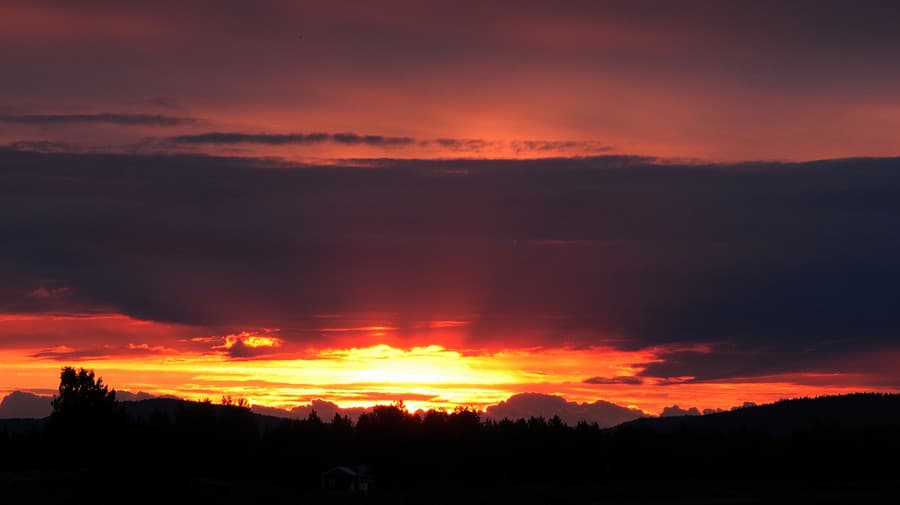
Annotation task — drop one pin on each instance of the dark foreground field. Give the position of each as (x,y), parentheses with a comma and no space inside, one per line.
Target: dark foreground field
(826,450)
(61,488)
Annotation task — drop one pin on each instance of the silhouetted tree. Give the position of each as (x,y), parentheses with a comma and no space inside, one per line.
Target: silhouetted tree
(384,419)
(339,421)
(465,420)
(239,402)
(84,419)
(82,397)
(435,421)
(235,421)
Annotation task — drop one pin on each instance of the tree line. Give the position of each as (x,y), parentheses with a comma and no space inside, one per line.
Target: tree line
(89,430)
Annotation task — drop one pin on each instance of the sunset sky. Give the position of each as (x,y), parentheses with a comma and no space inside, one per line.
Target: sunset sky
(449,203)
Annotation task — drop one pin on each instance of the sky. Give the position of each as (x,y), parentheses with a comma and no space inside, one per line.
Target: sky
(451,204)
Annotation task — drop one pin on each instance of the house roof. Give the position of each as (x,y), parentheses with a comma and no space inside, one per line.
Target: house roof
(354,472)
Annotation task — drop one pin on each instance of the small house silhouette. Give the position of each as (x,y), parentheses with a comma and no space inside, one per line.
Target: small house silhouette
(345,478)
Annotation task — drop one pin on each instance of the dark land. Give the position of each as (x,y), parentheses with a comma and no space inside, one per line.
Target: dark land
(839,449)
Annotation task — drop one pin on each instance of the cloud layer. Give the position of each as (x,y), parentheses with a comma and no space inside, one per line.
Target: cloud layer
(746,270)
(732,80)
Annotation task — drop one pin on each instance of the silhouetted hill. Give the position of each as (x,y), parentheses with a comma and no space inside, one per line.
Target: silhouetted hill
(853,411)
(226,453)
(144,410)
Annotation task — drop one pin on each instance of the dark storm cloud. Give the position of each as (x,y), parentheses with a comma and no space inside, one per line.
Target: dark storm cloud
(778,267)
(115,119)
(729,361)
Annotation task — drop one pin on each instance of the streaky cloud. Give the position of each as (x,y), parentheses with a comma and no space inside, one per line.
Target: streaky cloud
(473,145)
(288,139)
(107,118)
(379,140)
(629,380)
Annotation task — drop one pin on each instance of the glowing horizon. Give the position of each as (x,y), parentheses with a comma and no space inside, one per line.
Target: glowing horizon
(423,376)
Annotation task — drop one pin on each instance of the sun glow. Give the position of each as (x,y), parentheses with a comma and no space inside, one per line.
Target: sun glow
(250,340)
(270,370)
(419,365)
(422,377)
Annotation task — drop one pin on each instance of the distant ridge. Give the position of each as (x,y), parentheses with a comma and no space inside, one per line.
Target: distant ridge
(145,409)
(142,410)
(851,411)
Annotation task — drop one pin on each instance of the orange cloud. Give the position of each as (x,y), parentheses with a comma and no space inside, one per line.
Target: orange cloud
(424,377)
(249,339)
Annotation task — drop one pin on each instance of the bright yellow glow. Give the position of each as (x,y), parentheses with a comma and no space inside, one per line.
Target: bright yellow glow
(423,377)
(268,370)
(251,340)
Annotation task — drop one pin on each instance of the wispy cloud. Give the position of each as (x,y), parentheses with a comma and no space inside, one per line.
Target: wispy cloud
(625,379)
(593,147)
(471,145)
(66,353)
(107,118)
(47,146)
(289,138)
(463,144)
